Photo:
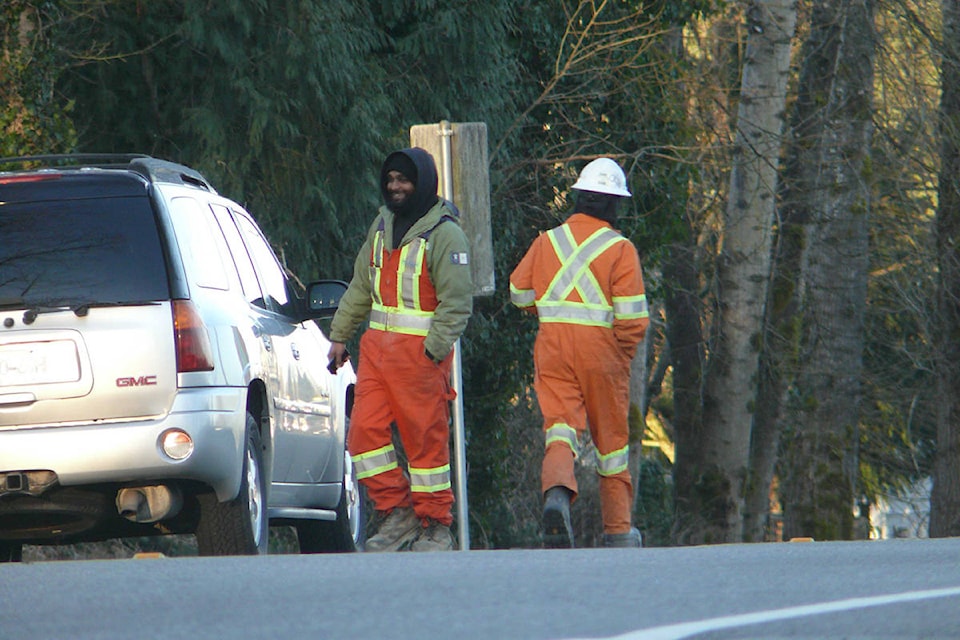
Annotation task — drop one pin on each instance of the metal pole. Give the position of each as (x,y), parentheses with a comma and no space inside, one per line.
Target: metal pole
(456,375)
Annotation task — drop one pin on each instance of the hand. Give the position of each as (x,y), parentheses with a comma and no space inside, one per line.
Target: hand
(337,355)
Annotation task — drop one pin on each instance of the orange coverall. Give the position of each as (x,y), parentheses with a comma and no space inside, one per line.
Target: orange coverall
(584,281)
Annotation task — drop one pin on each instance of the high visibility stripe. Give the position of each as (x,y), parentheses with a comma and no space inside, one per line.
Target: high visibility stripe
(576,259)
(574,274)
(561,432)
(407,317)
(630,307)
(522,297)
(429,480)
(614,462)
(413,323)
(411,263)
(376,263)
(575,313)
(371,463)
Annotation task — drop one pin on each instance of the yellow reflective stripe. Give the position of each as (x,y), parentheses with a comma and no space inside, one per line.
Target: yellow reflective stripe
(375,268)
(522,297)
(402,287)
(371,463)
(561,432)
(378,249)
(576,261)
(584,281)
(414,323)
(575,274)
(408,280)
(575,313)
(614,462)
(429,480)
(630,307)
(590,290)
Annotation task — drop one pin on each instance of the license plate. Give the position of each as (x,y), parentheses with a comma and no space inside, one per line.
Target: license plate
(26,363)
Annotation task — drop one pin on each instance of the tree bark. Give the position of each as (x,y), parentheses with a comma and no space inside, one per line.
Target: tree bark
(685,340)
(820,478)
(945,497)
(743,268)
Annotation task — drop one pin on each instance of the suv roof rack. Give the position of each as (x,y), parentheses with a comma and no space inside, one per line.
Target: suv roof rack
(154,169)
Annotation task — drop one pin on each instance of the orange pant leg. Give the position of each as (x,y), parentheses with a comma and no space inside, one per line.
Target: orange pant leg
(370,424)
(421,392)
(605,379)
(561,403)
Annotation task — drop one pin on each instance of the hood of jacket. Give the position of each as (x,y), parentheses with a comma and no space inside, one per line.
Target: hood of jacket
(425,183)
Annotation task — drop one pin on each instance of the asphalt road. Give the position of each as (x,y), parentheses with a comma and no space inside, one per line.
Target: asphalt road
(876,589)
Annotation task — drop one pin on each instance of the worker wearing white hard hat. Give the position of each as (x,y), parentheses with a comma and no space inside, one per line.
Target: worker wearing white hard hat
(584,281)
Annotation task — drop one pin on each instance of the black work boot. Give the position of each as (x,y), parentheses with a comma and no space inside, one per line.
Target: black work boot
(557,530)
(631,538)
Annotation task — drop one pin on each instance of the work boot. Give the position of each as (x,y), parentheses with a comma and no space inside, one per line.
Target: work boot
(434,537)
(398,530)
(631,538)
(557,530)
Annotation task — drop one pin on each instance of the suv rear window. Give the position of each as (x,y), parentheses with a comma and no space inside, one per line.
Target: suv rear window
(80,251)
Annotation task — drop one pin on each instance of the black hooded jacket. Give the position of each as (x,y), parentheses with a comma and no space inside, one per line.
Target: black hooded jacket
(425,187)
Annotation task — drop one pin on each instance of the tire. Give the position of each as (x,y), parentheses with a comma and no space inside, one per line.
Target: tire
(239,527)
(11,552)
(343,535)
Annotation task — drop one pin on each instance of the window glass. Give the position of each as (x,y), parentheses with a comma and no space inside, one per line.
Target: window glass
(201,242)
(238,252)
(272,279)
(58,252)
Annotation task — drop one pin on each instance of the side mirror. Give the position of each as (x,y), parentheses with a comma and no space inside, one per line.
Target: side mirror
(323,297)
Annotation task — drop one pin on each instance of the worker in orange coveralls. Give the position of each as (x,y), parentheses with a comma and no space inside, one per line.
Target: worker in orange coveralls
(412,280)
(584,281)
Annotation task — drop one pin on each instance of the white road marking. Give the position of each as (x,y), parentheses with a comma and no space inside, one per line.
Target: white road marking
(686,629)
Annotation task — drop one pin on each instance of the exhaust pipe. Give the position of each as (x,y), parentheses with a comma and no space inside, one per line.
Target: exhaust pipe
(149,504)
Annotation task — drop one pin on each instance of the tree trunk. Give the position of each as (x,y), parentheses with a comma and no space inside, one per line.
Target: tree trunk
(685,340)
(820,480)
(945,497)
(743,268)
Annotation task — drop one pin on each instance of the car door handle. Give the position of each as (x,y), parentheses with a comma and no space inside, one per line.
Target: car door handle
(295,351)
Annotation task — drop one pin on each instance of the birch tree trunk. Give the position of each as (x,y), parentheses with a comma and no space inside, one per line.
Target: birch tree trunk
(820,474)
(945,497)
(743,268)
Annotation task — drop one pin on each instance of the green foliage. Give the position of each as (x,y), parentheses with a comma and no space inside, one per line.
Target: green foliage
(33,119)
(653,514)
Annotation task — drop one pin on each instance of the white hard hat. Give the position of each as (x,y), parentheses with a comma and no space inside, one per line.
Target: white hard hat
(603,175)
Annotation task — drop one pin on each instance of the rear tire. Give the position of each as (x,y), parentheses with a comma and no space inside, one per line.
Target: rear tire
(342,535)
(240,526)
(11,552)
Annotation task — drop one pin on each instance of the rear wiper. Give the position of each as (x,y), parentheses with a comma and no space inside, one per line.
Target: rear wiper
(31,314)
(79,309)
(83,308)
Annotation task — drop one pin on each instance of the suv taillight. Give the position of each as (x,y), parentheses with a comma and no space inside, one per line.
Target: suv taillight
(190,334)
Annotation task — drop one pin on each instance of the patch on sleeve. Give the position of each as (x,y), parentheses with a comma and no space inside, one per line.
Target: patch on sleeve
(459,257)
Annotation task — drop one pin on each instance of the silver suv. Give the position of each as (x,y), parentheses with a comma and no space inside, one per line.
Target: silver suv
(159,370)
